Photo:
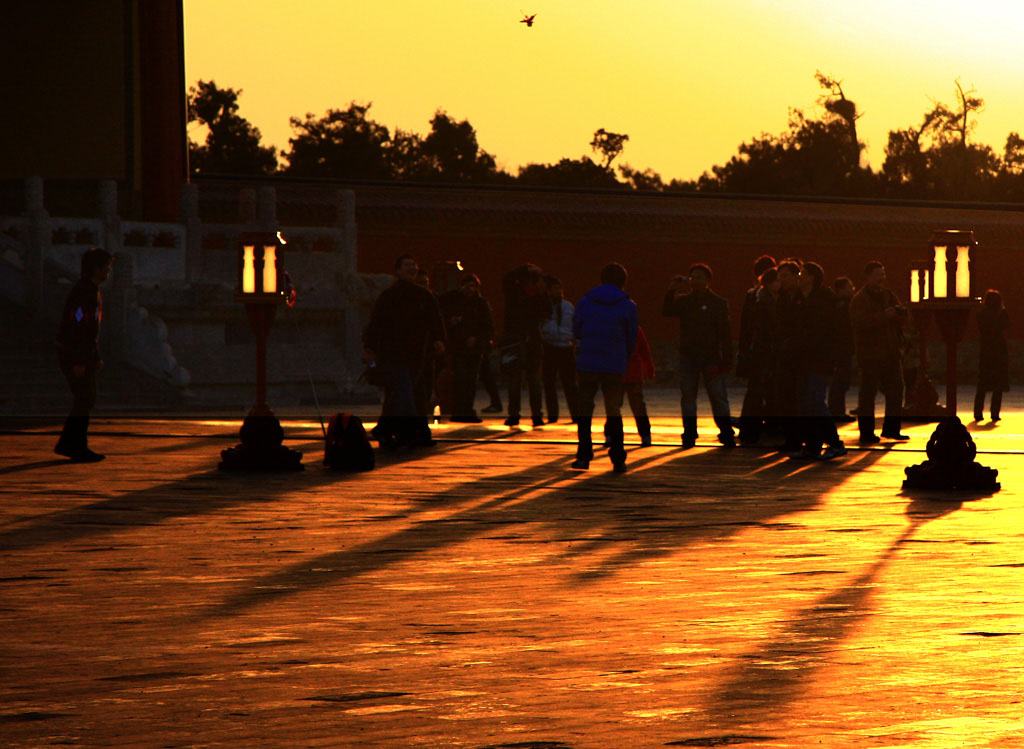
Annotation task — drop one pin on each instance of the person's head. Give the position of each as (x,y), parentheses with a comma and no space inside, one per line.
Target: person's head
(789,275)
(406,268)
(700,276)
(993,299)
(554,287)
(843,287)
(811,277)
(469,284)
(96,265)
(762,264)
(874,276)
(770,280)
(422,278)
(615,274)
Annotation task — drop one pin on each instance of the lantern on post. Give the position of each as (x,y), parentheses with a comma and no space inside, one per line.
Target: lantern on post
(951,264)
(260,287)
(942,287)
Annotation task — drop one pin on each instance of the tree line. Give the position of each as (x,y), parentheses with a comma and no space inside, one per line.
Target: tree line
(934,159)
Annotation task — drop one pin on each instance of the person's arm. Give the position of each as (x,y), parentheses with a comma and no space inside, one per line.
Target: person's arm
(863,317)
(670,307)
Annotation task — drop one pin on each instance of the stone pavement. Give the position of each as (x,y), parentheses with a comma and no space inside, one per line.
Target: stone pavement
(481,594)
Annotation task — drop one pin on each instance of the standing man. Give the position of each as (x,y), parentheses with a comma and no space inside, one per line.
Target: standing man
(877,319)
(78,352)
(559,361)
(844,352)
(705,349)
(605,325)
(526,307)
(788,314)
(404,333)
(470,327)
(816,335)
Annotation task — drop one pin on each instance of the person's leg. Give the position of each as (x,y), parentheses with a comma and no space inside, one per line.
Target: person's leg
(465,366)
(549,370)
(979,403)
(892,389)
(515,391)
(869,377)
(74,438)
(487,380)
(997,403)
(752,412)
(533,365)
(635,394)
(719,397)
(838,386)
(567,368)
(401,421)
(688,378)
(585,448)
(822,424)
(611,389)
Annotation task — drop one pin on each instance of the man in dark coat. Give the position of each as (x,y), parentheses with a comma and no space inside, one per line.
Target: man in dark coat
(815,335)
(404,331)
(605,324)
(78,352)
(527,306)
(993,355)
(788,314)
(470,328)
(877,319)
(705,349)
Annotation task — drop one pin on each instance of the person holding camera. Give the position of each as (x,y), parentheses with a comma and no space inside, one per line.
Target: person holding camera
(705,350)
(877,318)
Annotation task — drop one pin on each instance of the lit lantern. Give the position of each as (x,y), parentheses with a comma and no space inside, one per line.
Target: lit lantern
(951,264)
(260,267)
(920,281)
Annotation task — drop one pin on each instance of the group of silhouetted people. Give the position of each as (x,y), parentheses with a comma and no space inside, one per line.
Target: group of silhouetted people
(798,345)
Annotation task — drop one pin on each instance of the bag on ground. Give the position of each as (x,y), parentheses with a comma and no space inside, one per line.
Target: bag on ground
(347,448)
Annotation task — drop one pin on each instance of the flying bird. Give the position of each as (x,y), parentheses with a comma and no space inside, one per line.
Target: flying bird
(528,20)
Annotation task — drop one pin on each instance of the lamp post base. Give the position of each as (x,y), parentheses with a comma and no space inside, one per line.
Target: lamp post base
(261,449)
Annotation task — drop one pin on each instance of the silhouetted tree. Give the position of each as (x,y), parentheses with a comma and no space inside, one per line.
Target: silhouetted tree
(453,153)
(582,172)
(232,144)
(648,179)
(837,103)
(609,145)
(344,143)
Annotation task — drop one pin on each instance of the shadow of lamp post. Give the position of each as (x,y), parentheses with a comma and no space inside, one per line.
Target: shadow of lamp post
(261,290)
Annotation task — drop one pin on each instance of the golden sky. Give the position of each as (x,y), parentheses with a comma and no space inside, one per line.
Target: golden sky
(688,80)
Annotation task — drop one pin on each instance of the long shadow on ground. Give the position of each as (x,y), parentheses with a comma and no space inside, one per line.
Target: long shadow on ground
(662,504)
(198,494)
(776,672)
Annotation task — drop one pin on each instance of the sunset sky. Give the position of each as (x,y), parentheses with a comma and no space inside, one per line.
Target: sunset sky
(688,80)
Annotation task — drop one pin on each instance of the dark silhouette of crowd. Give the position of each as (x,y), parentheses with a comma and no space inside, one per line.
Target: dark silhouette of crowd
(801,342)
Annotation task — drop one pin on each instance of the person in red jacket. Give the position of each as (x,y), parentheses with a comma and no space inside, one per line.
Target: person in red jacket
(640,367)
(78,350)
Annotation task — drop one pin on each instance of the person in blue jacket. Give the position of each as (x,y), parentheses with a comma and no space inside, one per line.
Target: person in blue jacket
(605,326)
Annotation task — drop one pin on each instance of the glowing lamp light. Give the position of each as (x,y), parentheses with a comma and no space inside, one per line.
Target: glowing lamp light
(260,267)
(920,281)
(951,264)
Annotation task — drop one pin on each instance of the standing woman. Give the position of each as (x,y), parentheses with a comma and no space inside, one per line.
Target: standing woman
(994,361)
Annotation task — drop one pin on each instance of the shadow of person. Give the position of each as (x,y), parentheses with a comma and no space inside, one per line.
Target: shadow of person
(202,493)
(774,674)
(36,465)
(665,502)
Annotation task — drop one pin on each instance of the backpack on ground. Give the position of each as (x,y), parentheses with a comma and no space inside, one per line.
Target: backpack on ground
(347,448)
